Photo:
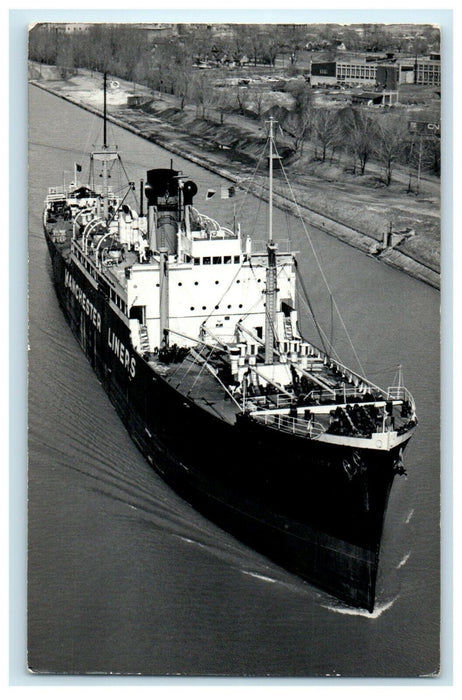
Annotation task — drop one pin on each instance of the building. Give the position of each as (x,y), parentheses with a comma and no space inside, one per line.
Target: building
(377,99)
(324,73)
(350,72)
(71,27)
(356,72)
(428,70)
(388,73)
(387,76)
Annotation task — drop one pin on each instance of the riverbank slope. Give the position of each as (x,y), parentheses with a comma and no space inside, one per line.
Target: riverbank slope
(356,210)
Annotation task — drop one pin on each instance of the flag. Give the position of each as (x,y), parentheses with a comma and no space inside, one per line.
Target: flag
(210,194)
(227,192)
(78,168)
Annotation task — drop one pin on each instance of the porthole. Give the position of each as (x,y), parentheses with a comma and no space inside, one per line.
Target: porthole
(196,283)
(191,308)
(217,282)
(203,308)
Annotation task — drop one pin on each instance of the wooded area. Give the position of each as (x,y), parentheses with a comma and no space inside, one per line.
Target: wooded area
(172,65)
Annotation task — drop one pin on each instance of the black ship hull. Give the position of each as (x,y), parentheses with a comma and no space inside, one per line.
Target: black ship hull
(315,509)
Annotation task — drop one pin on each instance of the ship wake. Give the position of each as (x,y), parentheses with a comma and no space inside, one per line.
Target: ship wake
(361,612)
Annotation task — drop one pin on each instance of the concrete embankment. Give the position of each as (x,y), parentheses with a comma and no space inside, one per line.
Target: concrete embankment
(219,163)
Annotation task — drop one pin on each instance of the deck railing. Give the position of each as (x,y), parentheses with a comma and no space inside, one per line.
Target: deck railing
(291,424)
(277,400)
(399,393)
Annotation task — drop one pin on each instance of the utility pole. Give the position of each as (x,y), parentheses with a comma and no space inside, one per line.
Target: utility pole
(420,164)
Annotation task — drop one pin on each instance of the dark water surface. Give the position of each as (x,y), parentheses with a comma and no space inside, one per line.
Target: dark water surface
(126,577)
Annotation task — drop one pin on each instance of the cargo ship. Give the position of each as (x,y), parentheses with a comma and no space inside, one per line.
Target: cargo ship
(194,335)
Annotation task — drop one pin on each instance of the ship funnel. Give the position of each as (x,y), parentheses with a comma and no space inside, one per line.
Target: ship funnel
(161,186)
(164,203)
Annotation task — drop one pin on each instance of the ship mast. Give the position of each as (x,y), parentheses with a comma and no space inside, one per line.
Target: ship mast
(105,173)
(271,272)
(105,156)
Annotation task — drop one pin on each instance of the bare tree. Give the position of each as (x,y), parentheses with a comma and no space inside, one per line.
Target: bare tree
(258,96)
(392,137)
(242,99)
(293,38)
(431,157)
(253,41)
(299,120)
(272,44)
(360,136)
(43,43)
(238,44)
(223,102)
(326,129)
(65,57)
(201,92)
(173,68)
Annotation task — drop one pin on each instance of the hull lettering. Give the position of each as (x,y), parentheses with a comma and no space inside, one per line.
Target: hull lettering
(121,352)
(90,310)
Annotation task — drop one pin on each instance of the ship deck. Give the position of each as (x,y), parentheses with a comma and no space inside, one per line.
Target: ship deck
(196,382)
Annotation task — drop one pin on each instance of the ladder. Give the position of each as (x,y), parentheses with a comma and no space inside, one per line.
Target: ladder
(288,328)
(144,339)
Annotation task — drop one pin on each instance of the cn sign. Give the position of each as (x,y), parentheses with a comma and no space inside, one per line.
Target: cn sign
(425,128)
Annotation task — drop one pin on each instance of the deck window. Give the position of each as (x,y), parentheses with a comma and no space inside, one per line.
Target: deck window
(206,261)
(216,260)
(197,261)
(227,259)
(237,259)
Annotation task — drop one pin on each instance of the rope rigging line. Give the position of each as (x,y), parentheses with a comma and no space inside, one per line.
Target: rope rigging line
(308,306)
(333,354)
(201,370)
(306,298)
(192,364)
(224,293)
(250,310)
(316,257)
(308,302)
(188,356)
(251,178)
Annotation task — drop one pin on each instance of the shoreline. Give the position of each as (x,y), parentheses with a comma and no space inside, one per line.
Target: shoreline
(356,239)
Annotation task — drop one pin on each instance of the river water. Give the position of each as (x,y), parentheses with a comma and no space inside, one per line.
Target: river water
(124,576)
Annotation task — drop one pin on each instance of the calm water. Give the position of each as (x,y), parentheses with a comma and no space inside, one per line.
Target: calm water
(126,577)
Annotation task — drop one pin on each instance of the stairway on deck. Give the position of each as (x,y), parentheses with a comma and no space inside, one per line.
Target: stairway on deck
(288,328)
(144,339)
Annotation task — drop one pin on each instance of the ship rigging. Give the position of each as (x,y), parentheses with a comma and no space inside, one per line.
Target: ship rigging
(195,336)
